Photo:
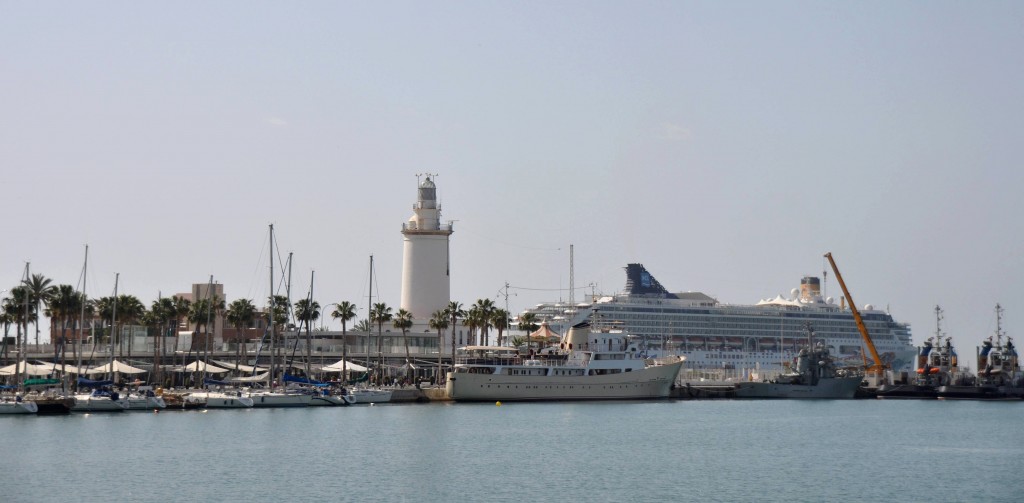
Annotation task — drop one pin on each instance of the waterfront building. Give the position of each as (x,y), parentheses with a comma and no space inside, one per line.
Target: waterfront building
(426,262)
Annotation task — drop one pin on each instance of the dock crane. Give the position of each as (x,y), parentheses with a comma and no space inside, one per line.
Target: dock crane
(877,368)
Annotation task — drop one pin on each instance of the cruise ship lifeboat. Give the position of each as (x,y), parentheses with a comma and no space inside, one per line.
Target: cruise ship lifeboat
(931,370)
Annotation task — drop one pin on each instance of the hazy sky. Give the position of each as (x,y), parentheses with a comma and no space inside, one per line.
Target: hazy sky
(726,146)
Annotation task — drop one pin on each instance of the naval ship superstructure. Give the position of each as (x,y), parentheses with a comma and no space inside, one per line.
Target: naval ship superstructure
(713,335)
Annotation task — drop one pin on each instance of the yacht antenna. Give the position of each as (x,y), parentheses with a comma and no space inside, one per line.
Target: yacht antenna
(572,278)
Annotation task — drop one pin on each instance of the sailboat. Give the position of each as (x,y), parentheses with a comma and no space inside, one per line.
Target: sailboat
(102,398)
(364,394)
(270,397)
(17,404)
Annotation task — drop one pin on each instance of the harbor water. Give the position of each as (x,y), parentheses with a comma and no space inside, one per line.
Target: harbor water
(713,450)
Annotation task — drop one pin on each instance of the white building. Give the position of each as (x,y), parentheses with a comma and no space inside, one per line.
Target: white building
(426,265)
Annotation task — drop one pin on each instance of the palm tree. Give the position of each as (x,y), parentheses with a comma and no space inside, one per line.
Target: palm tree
(403,322)
(472,322)
(182,306)
(380,314)
(363,325)
(7,319)
(344,311)
(39,288)
(485,309)
(528,324)
(162,312)
(105,312)
(129,310)
(63,305)
(500,321)
(454,312)
(439,321)
(198,316)
(241,313)
(279,308)
(17,306)
(307,311)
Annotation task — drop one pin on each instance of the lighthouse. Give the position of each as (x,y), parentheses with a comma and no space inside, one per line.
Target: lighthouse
(426,280)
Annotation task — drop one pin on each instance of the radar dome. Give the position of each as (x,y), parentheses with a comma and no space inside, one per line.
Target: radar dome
(830,300)
(794,292)
(868,307)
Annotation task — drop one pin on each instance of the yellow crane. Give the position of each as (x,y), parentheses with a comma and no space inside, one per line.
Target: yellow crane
(878,368)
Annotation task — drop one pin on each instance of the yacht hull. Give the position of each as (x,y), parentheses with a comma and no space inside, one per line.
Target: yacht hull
(645,383)
(371,395)
(23,407)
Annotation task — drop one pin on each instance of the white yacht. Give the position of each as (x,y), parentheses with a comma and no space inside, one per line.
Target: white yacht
(371,395)
(17,406)
(588,365)
(223,399)
(267,399)
(713,335)
(99,401)
(144,401)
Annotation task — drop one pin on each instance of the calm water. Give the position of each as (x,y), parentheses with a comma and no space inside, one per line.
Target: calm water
(626,451)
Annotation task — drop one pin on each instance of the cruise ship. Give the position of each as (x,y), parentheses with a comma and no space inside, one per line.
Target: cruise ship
(713,335)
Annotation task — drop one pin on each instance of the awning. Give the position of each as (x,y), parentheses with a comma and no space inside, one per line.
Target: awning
(241,367)
(349,366)
(199,366)
(26,369)
(119,367)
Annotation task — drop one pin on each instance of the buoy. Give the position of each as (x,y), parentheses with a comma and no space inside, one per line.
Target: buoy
(498,403)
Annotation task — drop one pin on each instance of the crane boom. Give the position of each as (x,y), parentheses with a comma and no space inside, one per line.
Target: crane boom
(878,365)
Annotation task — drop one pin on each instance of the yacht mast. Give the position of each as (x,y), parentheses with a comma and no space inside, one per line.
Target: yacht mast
(81,320)
(273,308)
(369,315)
(113,326)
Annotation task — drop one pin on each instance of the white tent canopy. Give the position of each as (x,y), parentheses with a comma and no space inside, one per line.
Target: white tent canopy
(119,367)
(241,367)
(26,369)
(256,378)
(199,366)
(337,367)
(69,368)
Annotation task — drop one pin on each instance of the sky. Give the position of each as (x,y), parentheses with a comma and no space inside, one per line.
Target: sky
(725,145)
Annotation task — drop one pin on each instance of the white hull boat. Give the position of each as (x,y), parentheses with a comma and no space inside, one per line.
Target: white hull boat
(18,407)
(371,395)
(331,400)
(219,400)
(274,399)
(98,403)
(590,365)
(142,402)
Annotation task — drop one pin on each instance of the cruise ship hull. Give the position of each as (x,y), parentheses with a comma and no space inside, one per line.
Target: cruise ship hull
(649,382)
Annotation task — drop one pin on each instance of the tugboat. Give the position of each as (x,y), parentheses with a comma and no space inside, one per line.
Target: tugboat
(815,376)
(937,366)
(999,374)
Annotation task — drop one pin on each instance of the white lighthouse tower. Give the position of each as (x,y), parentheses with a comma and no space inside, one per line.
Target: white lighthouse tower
(426,280)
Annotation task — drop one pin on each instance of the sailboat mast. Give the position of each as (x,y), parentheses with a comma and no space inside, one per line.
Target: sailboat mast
(309,319)
(369,315)
(113,325)
(81,322)
(21,364)
(273,307)
(210,299)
